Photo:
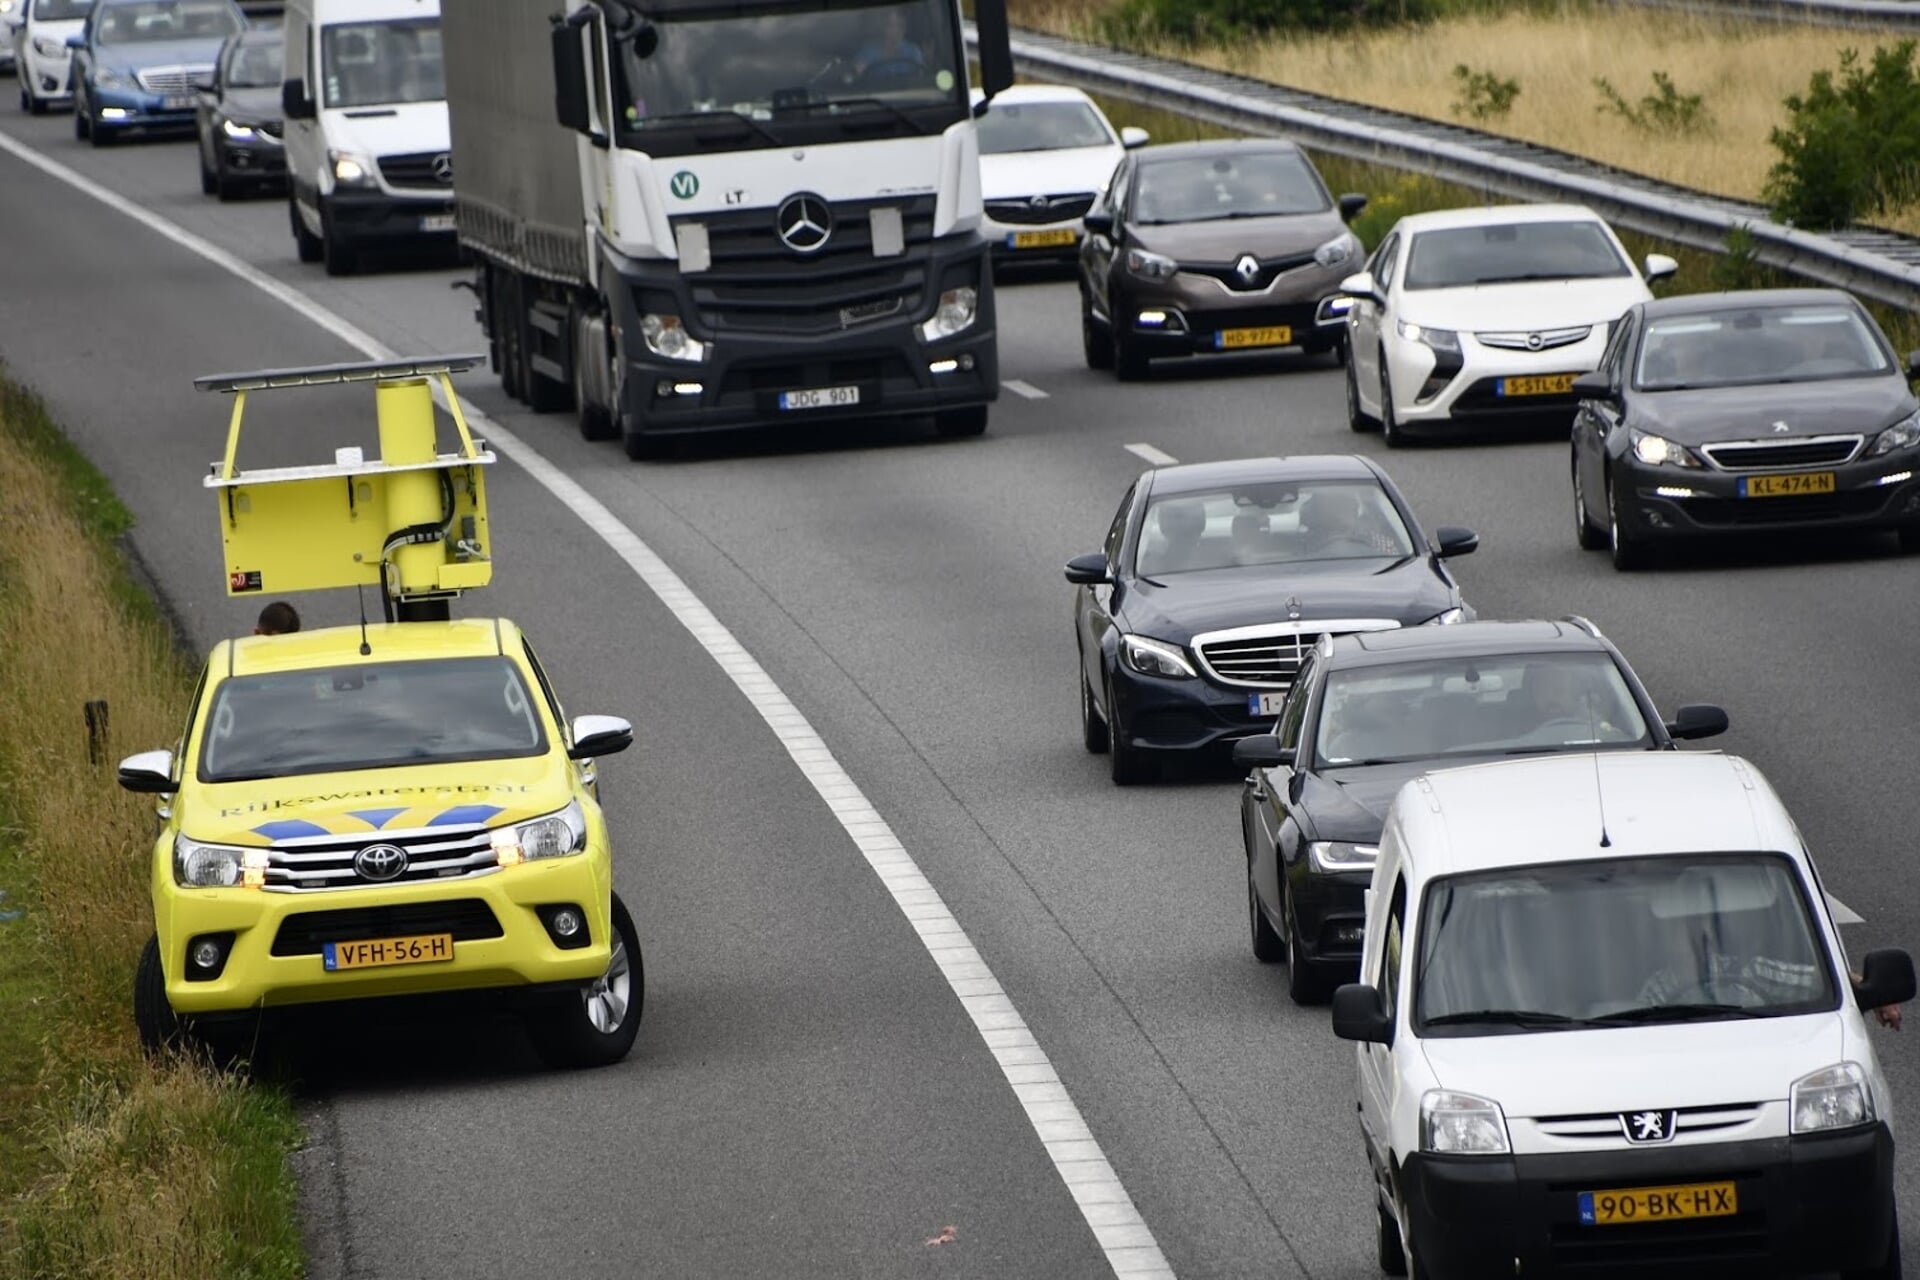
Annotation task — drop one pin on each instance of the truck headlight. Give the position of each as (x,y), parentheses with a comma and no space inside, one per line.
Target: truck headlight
(206,866)
(1155,658)
(1898,436)
(667,337)
(351,170)
(954,314)
(554,836)
(1341,855)
(1462,1124)
(1658,451)
(1836,1097)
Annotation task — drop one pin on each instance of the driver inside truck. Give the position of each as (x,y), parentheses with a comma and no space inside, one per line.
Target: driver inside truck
(888,51)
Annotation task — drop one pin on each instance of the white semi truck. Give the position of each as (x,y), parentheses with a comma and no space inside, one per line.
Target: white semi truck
(697,215)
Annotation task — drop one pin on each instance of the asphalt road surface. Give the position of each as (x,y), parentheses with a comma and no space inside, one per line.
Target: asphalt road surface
(808,1096)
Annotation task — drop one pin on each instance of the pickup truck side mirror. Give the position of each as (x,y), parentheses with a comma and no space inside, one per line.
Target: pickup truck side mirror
(149,773)
(596,736)
(1359,1014)
(1886,977)
(1697,720)
(1089,570)
(295,102)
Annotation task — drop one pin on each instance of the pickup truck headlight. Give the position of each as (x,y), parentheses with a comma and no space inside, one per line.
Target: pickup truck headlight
(666,336)
(351,170)
(1836,1097)
(1155,658)
(1658,451)
(1900,435)
(1462,1124)
(207,866)
(1341,855)
(554,836)
(1151,266)
(954,314)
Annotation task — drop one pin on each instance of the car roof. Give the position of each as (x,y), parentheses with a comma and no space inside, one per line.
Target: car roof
(1496,215)
(1192,477)
(1036,93)
(1695,303)
(1556,808)
(1212,147)
(1464,640)
(389,642)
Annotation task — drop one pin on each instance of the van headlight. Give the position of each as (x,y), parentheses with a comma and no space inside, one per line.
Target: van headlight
(1836,1097)
(1155,658)
(48,47)
(954,314)
(554,836)
(1462,1124)
(1341,855)
(206,866)
(350,169)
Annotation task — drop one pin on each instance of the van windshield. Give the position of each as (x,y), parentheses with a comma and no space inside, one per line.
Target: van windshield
(371,64)
(1618,942)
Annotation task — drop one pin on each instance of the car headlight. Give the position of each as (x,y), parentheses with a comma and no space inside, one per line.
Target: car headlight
(1433,339)
(554,836)
(666,336)
(1155,658)
(351,170)
(209,866)
(1658,451)
(1337,250)
(238,132)
(1151,266)
(48,47)
(1462,1124)
(1446,618)
(954,314)
(1898,436)
(1341,855)
(1834,1098)
(108,78)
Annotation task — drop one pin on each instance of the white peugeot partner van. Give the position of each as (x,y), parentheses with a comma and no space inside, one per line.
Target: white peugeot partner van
(1605,1021)
(369,159)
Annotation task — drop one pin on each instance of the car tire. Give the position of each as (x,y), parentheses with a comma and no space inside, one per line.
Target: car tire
(1129,365)
(596,1027)
(1357,418)
(1127,764)
(597,422)
(1388,1251)
(1305,985)
(1889,1268)
(208,184)
(1590,536)
(1094,342)
(82,122)
(1093,730)
(1628,553)
(1390,429)
(1268,946)
(305,243)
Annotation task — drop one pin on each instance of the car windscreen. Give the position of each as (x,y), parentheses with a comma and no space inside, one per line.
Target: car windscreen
(1510,252)
(151,20)
(1040,126)
(1243,184)
(1270,522)
(254,65)
(1504,704)
(370,64)
(61,10)
(1746,345)
(369,716)
(1618,942)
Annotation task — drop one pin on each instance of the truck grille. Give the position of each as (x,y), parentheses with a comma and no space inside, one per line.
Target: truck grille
(418,171)
(1769,455)
(757,285)
(308,932)
(171,81)
(1034,211)
(326,862)
(1270,657)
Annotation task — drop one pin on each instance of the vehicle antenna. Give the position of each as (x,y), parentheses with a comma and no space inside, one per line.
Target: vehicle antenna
(1599,791)
(365,648)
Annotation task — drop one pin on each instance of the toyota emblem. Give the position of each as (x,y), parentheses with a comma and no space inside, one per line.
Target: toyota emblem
(1533,341)
(804,222)
(1247,268)
(443,168)
(380,862)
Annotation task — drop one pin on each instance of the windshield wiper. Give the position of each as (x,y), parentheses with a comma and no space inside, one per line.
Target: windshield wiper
(1680,1013)
(1505,1017)
(714,117)
(262,776)
(882,103)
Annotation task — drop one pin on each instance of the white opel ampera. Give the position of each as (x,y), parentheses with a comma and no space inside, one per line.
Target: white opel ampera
(1605,1021)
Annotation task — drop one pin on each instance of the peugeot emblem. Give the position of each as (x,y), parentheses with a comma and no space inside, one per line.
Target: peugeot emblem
(380,862)
(443,167)
(1293,608)
(1646,1127)
(804,222)
(1247,268)
(1534,341)
(1781,428)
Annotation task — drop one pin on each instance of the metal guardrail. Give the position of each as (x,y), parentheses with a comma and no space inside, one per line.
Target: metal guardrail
(1881,265)
(1882,15)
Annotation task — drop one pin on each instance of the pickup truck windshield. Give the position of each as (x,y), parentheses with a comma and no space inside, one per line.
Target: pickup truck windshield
(796,75)
(1618,942)
(369,716)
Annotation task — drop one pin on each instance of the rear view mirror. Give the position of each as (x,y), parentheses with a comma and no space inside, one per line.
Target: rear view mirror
(1697,720)
(1886,977)
(149,773)
(1351,206)
(596,736)
(1133,136)
(1333,310)
(1358,1014)
(1261,752)
(294,102)
(1455,541)
(1089,570)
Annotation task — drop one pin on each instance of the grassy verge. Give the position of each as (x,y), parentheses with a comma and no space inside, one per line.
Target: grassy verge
(111,1165)
(1554,52)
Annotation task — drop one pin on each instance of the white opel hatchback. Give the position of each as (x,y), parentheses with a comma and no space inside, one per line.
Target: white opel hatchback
(1605,1021)
(1477,316)
(1046,152)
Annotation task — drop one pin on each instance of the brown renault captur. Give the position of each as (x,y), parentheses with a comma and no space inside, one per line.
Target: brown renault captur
(1200,247)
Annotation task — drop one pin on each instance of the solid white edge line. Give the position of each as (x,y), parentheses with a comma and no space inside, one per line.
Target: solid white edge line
(1021,387)
(1109,1212)
(1842,913)
(1152,456)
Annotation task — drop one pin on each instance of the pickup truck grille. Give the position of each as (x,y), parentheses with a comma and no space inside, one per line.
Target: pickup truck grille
(307,933)
(418,171)
(313,863)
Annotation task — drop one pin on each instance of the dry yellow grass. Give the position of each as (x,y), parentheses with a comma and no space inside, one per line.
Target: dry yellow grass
(1743,71)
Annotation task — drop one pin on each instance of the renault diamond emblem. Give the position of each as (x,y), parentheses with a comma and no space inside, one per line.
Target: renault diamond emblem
(1293,608)
(1781,428)
(380,862)
(1533,341)
(443,167)
(1247,268)
(804,221)
(1647,1126)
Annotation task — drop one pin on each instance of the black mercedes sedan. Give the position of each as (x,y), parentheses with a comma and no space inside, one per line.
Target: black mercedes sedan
(1727,413)
(1370,712)
(1217,578)
(237,115)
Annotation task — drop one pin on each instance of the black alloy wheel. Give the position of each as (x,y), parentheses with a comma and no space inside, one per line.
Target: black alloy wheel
(1268,946)
(1390,429)
(1358,419)
(1094,343)
(1628,553)
(1128,765)
(1093,730)
(596,1027)
(1305,986)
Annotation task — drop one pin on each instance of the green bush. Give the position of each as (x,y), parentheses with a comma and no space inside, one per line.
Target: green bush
(1219,21)
(1851,145)
(1665,110)
(1483,95)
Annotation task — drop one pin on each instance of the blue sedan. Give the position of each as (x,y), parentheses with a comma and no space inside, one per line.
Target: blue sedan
(136,64)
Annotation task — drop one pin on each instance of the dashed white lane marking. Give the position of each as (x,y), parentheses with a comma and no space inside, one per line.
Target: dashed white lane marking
(1020,387)
(1077,1157)
(1152,456)
(1842,913)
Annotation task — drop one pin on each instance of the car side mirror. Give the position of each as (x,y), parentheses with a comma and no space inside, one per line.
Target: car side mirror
(1133,136)
(149,773)
(1361,285)
(596,736)
(1099,224)
(1658,266)
(206,83)
(1913,364)
(295,103)
(1455,541)
(1089,570)
(1359,1014)
(1261,752)
(1597,385)
(1886,977)
(1351,206)
(77,41)
(1697,720)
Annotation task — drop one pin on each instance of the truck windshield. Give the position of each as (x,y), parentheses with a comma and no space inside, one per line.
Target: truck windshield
(369,716)
(780,76)
(1618,942)
(372,64)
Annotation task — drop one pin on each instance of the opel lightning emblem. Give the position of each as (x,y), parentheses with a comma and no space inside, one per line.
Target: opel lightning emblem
(1293,608)
(1781,428)
(1039,202)
(380,862)
(443,167)
(804,221)
(1647,1126)
(1247,268)
(1534,341)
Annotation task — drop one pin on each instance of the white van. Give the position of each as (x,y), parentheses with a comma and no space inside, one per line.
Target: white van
(1605,1021)
(368,155)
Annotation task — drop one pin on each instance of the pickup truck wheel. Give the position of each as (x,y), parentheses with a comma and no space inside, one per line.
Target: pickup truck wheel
(153,1017)
(597,1027)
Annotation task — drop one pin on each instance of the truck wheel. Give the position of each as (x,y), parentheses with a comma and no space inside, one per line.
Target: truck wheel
(153,1017)
(305,243)
(597,1027)
(956,423)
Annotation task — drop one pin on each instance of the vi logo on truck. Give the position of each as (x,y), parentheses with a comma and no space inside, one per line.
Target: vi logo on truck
(684,184)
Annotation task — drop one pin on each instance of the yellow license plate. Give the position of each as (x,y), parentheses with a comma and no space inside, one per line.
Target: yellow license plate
(1043,239)
(1273,335)
(372,953)
(1658,1204)
(1786,486)
(1546,384)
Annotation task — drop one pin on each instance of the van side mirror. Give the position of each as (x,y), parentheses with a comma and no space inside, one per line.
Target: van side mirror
(1261,752)
(149,773)
(1089,570)
(1455,541)
(1359,1014)
(596,736)
(295,104)
(570,93)
(1886,977)
(1351,206)
(1697,720)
